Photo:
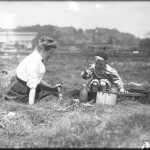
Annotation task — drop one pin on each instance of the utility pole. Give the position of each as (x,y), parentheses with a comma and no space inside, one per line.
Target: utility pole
(7,34)
(93,36)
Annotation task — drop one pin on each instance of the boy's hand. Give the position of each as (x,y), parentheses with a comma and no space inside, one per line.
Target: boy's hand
(123,91)
(86,74)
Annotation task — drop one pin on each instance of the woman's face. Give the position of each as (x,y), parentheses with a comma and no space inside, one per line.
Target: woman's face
(47,54)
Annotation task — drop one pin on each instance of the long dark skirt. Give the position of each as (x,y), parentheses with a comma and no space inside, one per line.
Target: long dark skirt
(19,91)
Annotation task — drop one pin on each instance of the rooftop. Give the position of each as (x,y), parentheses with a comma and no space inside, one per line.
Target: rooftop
(18,33)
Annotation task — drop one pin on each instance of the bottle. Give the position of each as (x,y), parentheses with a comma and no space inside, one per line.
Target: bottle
(84,74)
(60,94)
(84,94)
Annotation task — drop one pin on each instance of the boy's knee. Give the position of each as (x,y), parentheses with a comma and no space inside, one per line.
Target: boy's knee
(103,84)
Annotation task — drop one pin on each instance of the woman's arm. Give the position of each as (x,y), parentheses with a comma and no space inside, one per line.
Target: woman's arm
(43,83)
(32,95)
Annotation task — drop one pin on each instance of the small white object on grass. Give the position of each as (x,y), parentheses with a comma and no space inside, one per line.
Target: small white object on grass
(145,145)
(76,100)
(11,114)
(87,104)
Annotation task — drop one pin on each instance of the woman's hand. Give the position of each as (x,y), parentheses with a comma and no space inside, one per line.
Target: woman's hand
(58,85)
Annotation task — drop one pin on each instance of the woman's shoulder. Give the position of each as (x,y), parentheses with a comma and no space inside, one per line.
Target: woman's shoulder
(32,57)
(30,61)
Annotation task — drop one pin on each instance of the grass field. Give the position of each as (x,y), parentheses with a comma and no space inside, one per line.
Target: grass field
(125,125)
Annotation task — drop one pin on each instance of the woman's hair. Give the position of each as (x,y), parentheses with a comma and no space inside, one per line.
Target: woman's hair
(46,43)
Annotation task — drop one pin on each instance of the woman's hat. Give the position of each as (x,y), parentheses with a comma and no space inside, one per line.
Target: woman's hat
(47,42)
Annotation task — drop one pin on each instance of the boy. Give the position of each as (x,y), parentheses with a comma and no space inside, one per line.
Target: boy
(103,77)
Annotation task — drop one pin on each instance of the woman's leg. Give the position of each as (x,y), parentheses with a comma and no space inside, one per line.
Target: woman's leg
(43,91)
(17,91)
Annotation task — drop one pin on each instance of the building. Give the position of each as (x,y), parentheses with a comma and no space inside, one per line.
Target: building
(10,40)
(105,47)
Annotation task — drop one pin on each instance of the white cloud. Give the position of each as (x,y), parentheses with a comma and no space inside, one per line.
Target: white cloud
(8,21)
(74,6)
(98,6)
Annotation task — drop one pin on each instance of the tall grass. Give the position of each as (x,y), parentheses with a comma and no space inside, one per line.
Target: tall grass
(45,125)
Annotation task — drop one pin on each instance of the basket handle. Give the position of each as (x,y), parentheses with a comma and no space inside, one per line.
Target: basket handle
(109,91)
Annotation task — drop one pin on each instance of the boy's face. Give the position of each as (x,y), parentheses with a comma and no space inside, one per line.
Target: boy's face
(100,62)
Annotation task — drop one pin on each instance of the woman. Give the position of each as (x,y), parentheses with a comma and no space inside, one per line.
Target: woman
(28,85)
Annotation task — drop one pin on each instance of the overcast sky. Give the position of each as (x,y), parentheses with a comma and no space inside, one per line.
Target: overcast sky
(129,16)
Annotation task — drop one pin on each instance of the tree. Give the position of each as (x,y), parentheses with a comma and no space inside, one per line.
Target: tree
(145,43)
(147,35)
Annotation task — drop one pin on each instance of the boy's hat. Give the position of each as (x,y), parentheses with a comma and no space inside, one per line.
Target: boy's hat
(47,42)
(102,55)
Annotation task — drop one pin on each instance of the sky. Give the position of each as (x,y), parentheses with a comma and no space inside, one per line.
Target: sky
(125,16)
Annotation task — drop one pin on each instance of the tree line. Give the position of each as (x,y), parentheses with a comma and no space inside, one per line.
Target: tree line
(73,36)
(97,36)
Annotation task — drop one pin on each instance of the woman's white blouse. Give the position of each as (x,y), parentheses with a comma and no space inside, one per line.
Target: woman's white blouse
(31,69)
